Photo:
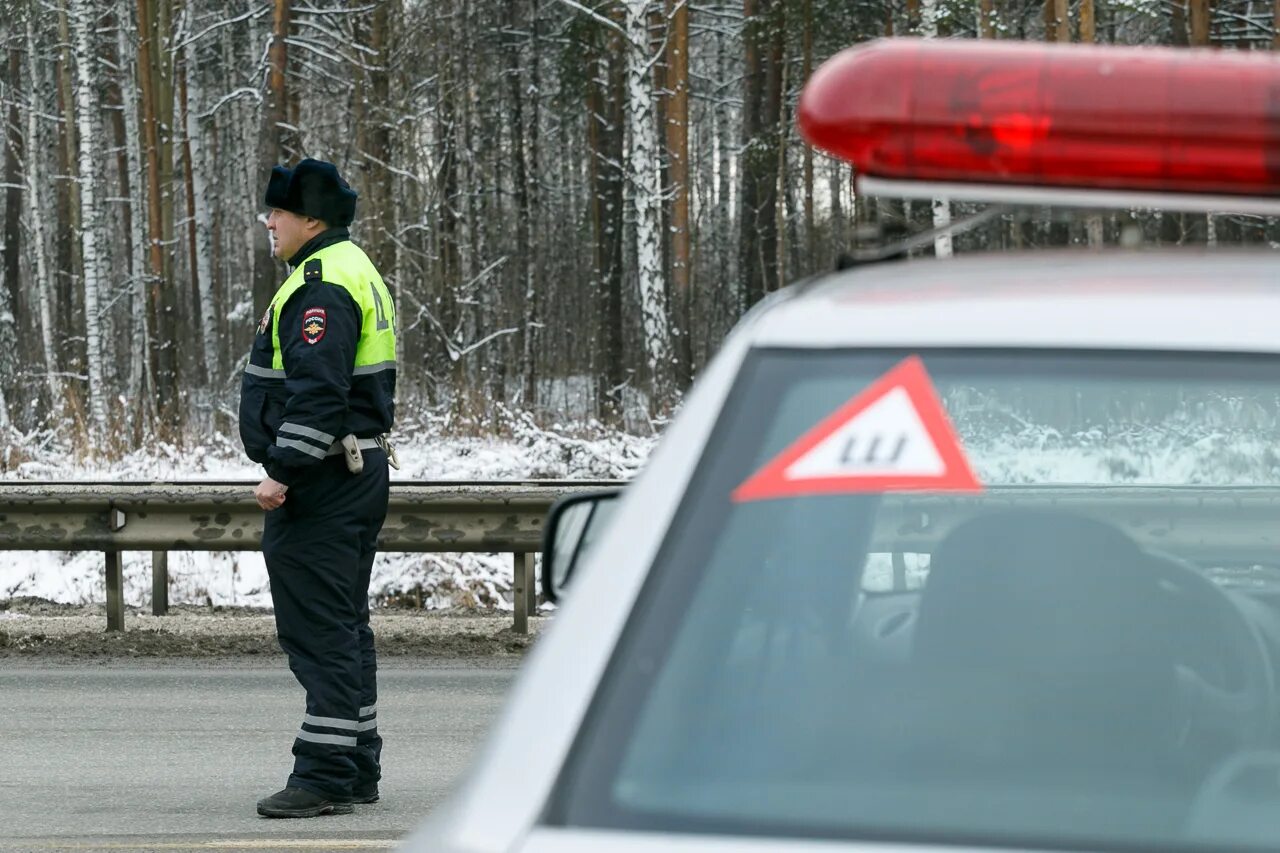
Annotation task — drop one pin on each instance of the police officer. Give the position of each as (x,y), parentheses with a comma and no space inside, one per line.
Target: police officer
(315,405)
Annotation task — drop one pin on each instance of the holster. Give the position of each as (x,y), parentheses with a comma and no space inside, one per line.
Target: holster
(352,454)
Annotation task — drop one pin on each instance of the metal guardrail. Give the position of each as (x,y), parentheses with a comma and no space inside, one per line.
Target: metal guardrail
(1237,524)
(496,517)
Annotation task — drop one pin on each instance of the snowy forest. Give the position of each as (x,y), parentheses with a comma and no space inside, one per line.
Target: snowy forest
(573,201)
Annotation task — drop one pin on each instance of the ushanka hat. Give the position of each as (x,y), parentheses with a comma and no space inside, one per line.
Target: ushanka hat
(312,188)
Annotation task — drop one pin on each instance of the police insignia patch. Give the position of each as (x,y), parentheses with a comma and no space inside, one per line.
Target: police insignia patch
(314,322)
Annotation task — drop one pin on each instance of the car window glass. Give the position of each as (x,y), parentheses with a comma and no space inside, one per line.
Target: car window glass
(1073,655)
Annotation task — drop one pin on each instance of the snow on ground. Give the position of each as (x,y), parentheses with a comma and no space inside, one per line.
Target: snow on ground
(1150,454)
(240,578)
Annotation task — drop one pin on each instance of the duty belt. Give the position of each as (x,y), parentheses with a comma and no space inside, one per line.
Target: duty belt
(363,443)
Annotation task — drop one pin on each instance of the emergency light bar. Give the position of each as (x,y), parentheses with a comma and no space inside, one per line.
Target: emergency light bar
(1098,125)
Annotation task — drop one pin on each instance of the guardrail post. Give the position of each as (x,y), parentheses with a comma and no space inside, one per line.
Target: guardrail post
(531,585)
(159,583)
(520,590)
(115,591)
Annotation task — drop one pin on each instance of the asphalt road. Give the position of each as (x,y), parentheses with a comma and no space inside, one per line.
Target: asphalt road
(140,756)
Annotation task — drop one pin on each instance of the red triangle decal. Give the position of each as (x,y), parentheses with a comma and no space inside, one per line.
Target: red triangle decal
(894,436)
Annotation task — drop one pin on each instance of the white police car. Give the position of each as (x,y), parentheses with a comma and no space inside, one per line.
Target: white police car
(979,552)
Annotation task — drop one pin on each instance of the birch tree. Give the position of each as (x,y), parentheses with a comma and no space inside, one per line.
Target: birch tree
(647,200)
(126,49)
(201,224)
(82,21)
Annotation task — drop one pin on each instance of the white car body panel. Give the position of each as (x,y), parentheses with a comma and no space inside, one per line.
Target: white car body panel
(548,840)
(1123,300)
(1155,301)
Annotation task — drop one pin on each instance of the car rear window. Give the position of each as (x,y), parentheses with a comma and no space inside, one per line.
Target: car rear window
(1082,652)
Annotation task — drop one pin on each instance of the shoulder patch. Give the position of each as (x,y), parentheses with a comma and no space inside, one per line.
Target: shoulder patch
(266,318)
(314,323)
(313,270)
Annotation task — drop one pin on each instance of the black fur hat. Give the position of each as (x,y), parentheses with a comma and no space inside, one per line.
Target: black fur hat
(313,188)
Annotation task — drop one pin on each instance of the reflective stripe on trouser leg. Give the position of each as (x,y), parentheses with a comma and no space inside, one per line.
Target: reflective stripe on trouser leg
(313,550)
(368,755)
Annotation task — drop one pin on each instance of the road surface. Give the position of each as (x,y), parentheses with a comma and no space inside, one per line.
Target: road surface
(169,756)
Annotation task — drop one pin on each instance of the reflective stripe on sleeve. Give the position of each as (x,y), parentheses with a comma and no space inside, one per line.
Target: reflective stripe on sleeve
(268,372)
(331,722)
(367,726)
(369,709)
(337,740)
(366,369)
(299,445)
(299,429)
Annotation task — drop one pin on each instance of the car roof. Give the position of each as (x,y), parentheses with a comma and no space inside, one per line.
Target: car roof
(1151,300)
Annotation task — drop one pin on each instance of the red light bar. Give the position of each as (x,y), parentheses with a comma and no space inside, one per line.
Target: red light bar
(978,112)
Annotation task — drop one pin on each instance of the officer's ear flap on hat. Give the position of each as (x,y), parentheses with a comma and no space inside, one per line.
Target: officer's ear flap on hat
(278,188)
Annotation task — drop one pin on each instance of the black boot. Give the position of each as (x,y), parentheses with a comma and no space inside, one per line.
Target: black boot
(365,793)
(299,802)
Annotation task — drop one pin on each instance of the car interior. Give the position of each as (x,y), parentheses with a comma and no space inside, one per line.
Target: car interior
(1049,669)
(1060,649)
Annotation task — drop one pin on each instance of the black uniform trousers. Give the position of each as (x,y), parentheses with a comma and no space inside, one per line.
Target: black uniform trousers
(319,549)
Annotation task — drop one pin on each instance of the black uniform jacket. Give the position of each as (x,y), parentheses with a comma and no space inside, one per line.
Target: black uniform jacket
(288,422)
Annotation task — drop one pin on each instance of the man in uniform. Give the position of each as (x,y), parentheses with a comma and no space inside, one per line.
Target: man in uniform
(315,406)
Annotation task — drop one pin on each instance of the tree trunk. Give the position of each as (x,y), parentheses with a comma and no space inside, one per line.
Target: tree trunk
(155,131)
(771,115)
(987,18)
(1199,23)
(1178,35)
(1095,232)
(835,188)
(266,277)
(10,328)
(379,194)
(1057,25)
(35,208)
(446,215)
(605,95)
(788,262)
(523,262)
(941,207)
(1088,22)
(758,221)
(199,217)
(678,151)
(534,282)
(647,201)
(11,304)
(83,18)
(70,319)
(811,235)
(726,230)
(139,380)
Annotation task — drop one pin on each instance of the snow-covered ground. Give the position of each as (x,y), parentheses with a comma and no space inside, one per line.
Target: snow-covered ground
(240,578)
